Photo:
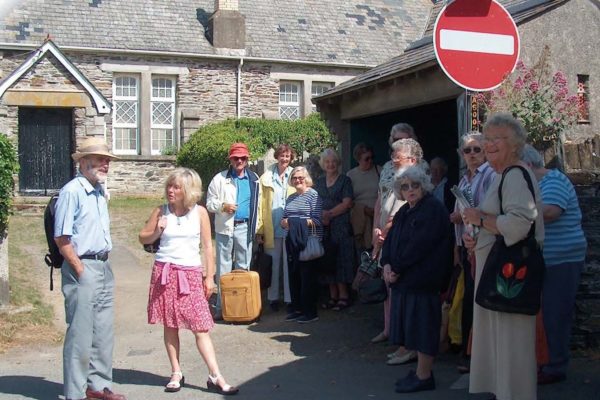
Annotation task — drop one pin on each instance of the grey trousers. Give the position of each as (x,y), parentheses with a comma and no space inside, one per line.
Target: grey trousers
(228,246)
(89,310)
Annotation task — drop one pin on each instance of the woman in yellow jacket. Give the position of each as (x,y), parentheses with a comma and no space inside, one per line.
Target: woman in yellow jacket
(274,192)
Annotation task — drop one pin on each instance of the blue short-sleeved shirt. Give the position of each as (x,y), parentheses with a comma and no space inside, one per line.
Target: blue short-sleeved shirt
(564,240)
(82,214)
(243,196)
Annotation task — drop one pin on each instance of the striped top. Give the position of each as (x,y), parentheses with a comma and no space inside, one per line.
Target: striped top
(306,205)
(564,240)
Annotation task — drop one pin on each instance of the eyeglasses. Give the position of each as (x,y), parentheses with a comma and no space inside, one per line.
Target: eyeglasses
(413,185)
(298,178)
(493,139)
(236,159)
(467,150)
(402,158)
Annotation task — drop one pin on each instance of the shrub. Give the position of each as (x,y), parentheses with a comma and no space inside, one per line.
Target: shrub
(8,166)
(207,149)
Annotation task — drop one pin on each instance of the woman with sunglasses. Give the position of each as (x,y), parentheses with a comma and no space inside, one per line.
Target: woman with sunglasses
(474,184)
(415,273)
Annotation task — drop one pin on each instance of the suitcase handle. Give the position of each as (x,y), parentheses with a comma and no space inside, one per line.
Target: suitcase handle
(239,271)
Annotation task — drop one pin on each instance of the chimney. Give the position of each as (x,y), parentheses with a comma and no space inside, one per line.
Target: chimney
(227,27)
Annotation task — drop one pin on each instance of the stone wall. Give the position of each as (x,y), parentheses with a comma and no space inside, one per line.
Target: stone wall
(586,332)
(139,175)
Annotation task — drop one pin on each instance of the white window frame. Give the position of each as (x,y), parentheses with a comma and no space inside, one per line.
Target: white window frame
(287,103)
(318,88)
(125,125)
(165,100)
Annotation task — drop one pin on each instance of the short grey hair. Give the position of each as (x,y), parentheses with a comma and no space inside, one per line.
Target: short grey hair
(508,121)
(414,173)
(441,161)
(467,137)
(532,157)
(401,127)
(409,147)
(302,169)
(329,153)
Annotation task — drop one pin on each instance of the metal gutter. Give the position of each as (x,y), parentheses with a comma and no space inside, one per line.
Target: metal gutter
(15,46)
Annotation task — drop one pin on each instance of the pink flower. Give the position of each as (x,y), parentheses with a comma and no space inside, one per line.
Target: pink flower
(534,87)
(518,84)
(559,78)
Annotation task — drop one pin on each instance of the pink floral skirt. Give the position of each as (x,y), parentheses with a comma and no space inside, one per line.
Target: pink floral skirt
(177,298)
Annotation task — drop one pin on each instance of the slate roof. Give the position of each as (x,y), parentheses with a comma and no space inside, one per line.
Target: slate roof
(420,54)
(364,32)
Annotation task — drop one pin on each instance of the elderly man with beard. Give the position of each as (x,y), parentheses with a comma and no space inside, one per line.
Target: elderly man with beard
(82,233)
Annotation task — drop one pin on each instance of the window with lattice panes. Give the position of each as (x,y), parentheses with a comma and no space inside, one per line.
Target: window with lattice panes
(318,88)
(125,114)
(289,100)
(163,115)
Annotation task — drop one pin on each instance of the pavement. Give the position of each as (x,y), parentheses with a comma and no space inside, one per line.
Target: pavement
(270,359)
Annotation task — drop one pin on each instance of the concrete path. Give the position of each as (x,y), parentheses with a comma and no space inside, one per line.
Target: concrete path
(271,359)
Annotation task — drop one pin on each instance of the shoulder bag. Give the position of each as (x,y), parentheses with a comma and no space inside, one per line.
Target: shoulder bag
(511,280)
(314,248)
(153,247)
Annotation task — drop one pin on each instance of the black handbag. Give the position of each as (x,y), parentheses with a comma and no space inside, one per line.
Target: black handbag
(511,280)
(262,263)
(372,291)
(153,247)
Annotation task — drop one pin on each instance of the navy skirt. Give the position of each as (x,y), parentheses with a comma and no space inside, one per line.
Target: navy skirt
(415,320)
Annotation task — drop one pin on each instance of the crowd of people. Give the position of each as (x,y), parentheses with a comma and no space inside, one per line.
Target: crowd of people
(402,213)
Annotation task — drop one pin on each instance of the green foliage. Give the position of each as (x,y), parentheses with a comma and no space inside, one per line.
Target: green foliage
(8,166)
(169,150)
(207,149)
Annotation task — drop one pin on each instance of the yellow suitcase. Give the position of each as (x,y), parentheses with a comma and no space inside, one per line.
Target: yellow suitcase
(240,296)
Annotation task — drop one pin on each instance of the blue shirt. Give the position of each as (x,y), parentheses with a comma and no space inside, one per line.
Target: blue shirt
(82,214)
(279,195)
(564,241)
(243,195)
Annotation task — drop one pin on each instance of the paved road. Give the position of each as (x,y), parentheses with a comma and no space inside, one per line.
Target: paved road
(272,359)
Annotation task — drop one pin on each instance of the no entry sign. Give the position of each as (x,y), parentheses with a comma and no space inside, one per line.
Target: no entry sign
(476,43)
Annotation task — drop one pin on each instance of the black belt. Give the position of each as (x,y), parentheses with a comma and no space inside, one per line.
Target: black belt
(97,257)
(240,221)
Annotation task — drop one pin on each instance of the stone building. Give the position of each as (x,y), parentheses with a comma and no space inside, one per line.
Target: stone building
(145,75)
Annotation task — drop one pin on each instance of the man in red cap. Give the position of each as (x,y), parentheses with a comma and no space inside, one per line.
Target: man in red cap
(233,197)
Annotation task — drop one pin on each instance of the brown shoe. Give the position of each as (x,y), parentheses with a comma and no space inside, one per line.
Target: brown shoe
(105,394)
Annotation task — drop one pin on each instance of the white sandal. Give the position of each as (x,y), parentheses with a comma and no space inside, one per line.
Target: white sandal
(214,386)
(175,385)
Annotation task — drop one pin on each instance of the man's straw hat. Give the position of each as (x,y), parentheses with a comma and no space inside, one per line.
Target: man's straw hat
(92,145)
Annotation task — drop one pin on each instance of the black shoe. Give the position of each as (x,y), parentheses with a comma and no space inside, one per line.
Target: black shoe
(412,384)
(274,306)
(544,378)
(306,319)
(294,315)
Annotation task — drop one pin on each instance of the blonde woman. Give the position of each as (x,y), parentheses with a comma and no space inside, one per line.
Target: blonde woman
(182,280)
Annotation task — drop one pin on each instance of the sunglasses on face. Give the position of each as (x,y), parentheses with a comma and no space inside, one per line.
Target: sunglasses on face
(298,178)
(467,150)
(236,159)
(413,185)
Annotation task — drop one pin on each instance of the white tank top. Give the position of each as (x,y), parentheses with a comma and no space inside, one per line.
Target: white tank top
(180,241)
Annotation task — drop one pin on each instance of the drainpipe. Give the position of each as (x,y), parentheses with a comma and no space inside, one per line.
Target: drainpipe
(239,88)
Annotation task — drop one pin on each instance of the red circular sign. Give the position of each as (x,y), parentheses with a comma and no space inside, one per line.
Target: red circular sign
(476,43)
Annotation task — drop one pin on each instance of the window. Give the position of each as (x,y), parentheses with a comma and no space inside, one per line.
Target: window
(583,98)
(318,88)
(163,114)
(125,115)
(289,100)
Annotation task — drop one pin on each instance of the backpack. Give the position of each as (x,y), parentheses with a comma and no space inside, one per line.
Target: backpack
(53,258)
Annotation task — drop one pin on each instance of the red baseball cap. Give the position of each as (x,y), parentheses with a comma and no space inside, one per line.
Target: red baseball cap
(238,150)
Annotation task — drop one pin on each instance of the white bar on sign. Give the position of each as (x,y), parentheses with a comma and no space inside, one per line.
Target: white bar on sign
(477,42)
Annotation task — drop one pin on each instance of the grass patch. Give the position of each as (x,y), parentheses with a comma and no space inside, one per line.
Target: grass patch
(128,215)
(30,319)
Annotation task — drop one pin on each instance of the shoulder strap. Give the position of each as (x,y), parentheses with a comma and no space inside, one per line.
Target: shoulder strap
(529,185)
